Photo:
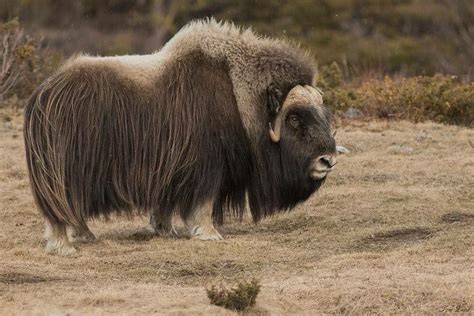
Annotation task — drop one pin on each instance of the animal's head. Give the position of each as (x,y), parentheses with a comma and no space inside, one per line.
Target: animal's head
(301,125)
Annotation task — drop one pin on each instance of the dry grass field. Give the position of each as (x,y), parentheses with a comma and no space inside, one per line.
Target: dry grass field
(391,231)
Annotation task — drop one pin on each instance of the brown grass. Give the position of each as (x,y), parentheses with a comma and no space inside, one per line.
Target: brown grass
(390,232)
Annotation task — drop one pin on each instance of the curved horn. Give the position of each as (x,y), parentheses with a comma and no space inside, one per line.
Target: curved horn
(316,94)
(277,123)
(306,94)
(276,129)
(275,137)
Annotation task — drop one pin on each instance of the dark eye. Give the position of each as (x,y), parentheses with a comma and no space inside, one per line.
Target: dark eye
(294,121)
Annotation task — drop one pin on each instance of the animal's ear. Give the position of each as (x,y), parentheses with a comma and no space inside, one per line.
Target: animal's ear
(274,99)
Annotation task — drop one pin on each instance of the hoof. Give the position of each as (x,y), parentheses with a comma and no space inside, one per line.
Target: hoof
(82,238)
(205,233)
(55,247)
(80,235)
(165,231)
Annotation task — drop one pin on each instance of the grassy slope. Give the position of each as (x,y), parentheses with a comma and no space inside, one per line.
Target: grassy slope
(391,231)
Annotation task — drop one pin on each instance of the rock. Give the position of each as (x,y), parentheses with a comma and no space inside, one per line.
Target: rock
(8,125)
(402,149)
(422,136)
(353,113)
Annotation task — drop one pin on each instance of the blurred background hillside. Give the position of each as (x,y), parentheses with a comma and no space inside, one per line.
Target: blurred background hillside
(354,41)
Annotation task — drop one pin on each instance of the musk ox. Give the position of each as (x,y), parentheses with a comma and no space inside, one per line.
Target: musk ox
(216,119)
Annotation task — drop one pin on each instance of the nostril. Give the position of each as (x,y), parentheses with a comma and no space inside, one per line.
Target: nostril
(322,165)
(328,161)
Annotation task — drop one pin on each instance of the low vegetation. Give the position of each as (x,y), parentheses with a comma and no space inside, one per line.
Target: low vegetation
(24,63)
(238,298)
(439,98)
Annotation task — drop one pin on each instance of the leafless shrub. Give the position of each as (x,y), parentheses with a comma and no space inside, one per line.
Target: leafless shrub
(23,63)
(16,51)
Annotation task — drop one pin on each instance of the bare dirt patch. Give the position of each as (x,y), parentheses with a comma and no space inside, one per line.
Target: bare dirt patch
(23,278)
(396,237)
(389,232)
(457,217)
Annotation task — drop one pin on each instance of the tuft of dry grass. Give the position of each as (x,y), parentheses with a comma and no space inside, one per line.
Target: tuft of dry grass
(238,298)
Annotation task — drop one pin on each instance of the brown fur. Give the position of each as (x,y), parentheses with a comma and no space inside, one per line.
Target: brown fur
(100,138)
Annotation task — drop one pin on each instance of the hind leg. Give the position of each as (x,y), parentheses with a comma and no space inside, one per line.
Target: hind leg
(57,241)
(80,234)
(162,224)
(200,224)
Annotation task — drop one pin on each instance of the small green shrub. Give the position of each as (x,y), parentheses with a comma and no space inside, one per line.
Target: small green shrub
(238,298)
(340,99)
(336,95)
(330,76)
(459,105)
